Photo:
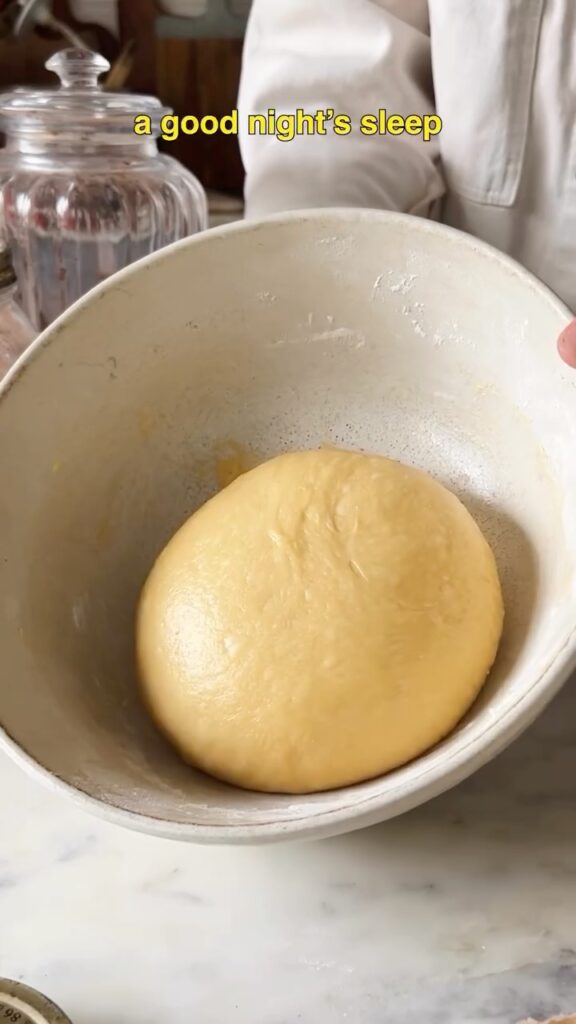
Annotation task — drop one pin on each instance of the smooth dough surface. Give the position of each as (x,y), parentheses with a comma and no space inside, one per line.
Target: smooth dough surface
(325,618)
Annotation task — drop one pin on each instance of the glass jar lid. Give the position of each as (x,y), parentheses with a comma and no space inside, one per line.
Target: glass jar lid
(79,103)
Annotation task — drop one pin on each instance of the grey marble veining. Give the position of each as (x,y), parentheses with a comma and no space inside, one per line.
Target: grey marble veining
(462,912)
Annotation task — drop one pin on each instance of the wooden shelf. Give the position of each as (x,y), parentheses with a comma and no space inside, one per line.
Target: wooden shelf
(193,64)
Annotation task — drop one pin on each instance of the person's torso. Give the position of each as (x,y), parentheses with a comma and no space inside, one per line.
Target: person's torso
(505,86)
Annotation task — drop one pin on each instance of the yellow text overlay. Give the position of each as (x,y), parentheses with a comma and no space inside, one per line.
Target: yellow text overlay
(286,127)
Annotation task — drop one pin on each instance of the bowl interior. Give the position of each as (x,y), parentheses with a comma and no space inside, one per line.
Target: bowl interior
(378,332)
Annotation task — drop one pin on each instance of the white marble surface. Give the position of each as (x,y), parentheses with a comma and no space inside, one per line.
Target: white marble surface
(459,913)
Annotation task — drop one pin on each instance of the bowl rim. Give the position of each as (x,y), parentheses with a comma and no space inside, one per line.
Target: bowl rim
(429,781)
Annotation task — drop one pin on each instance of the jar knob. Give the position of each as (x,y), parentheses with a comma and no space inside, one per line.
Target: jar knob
(78,69)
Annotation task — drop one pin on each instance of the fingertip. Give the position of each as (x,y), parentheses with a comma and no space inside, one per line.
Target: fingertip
(567,344)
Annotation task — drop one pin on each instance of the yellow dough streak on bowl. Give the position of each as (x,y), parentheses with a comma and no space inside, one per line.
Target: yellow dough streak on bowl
(325,618)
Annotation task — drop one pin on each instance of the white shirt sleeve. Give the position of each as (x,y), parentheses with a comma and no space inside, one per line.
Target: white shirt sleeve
(355,57)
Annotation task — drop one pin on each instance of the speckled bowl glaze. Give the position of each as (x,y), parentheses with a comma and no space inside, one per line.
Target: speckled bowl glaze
(372,330)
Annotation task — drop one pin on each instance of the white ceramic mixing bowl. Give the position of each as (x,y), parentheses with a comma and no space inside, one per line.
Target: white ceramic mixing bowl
(371,330)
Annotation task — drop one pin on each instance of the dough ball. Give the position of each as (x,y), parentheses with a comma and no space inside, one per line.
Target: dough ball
(324,619)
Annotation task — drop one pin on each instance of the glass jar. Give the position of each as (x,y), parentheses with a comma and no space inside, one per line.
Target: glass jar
(81,195)
(16,331)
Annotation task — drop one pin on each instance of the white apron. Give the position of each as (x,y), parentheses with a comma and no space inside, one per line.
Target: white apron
(500,73)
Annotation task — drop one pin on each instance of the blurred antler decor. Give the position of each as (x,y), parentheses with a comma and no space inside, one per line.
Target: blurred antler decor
(33,13)
(21,20)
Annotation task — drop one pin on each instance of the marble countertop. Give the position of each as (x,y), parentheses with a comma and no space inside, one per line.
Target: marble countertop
(462,912)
